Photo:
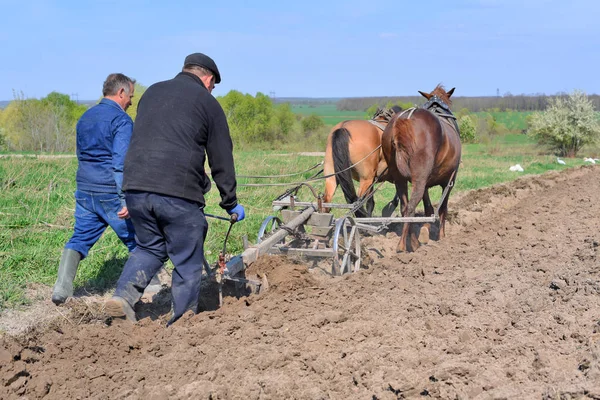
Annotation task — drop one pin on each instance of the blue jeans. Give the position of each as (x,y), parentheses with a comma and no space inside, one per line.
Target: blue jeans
(166,228)
(95,211)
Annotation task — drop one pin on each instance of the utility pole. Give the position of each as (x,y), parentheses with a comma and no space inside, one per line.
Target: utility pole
(76,96)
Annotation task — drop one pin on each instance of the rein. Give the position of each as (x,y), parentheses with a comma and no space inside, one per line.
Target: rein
(279,176)
(312,179)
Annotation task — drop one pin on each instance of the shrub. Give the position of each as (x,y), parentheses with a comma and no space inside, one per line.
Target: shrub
(568,124)
(468,128)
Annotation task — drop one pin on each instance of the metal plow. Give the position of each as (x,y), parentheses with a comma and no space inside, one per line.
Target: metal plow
(303,229)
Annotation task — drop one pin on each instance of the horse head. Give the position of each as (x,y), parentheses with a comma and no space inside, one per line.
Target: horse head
(440,93)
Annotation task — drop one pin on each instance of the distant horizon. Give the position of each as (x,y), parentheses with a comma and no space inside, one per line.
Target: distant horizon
(85,101)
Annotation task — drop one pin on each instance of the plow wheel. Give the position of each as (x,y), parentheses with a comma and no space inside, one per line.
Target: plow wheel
(346,247)
(269,225)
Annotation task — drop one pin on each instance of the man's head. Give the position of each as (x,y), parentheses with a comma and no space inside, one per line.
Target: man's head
(119,88)
(204,68)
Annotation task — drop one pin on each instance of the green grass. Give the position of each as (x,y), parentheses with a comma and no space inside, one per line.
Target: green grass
(514,121)
(36,208)
(328,112)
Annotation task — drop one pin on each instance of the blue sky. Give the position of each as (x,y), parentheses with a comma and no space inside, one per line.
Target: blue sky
(305,48)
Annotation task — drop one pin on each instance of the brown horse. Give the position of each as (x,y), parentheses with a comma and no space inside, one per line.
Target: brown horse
(354,151)
(422,146)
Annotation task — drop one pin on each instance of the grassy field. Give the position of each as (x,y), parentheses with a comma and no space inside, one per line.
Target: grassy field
(328,113)
(36,209)
(514,121)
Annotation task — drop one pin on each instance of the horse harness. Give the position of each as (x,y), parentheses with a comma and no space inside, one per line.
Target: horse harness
(438,108)
(385,114)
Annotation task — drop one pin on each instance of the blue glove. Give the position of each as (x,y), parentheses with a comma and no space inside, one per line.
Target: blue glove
(239,210)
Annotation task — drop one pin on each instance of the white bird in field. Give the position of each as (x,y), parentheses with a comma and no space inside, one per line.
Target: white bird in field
(516,168)
(561,162)
(590,160)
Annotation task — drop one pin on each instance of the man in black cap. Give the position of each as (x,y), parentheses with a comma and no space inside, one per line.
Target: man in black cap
(178,123)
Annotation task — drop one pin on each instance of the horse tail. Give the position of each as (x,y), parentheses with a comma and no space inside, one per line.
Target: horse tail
(404,142)
(404,137)
(340,141)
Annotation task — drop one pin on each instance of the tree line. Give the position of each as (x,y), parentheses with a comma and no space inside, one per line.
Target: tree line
(49,124)
(564,123)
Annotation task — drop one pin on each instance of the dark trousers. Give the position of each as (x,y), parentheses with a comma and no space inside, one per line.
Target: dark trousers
(166,228)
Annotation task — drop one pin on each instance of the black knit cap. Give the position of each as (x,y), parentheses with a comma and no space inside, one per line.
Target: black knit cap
(204,61)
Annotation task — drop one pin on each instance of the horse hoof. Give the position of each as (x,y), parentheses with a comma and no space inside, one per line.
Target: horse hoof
(424,235)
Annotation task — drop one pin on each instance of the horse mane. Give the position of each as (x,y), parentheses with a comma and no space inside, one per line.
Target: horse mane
(440,92)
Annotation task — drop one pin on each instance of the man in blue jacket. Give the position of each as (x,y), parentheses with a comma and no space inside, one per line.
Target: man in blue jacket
(179,123)
(103,135)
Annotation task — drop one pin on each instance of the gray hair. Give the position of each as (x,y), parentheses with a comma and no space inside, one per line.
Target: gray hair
(114,82)
(200,70)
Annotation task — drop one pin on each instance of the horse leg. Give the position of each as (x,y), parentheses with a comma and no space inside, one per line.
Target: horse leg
(402,188)
(443,214)
(331,182)
(399,197)
(364,189)
(426,228)
(418,189)
(389,208)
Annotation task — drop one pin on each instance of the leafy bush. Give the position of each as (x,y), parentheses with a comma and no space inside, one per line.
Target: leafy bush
(567,125)
(45,125)
(468,128)
(311,124)
(256,121)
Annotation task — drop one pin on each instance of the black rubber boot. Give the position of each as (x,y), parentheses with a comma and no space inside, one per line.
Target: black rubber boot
(118,307)
(63,288)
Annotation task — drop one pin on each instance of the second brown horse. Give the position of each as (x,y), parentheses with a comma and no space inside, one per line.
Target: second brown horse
(422,146)
(354,151)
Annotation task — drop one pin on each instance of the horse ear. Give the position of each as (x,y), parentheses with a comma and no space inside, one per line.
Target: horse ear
(426,95)
(450,92)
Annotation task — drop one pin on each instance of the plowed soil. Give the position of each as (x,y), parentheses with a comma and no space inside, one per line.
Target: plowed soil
(506,306)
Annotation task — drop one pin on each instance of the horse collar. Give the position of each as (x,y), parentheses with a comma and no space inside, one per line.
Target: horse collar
(436,103)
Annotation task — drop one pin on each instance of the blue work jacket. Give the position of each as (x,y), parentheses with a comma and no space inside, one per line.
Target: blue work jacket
(103,135)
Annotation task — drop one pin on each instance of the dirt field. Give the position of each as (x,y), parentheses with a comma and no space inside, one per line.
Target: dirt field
(506,306)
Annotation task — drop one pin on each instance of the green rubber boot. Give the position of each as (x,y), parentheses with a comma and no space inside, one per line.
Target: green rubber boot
(63,288)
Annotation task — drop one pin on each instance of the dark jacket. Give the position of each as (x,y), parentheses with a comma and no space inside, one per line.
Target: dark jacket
(177,122)
(103,135)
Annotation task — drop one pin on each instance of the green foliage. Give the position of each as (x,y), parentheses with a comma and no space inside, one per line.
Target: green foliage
(256,121)
(488,126)
(284,121)
(372,110)
(405,105)
(463,112)
(567,125)
(61,104)
(468,128)
(137,95)
(311,124)
(45,125)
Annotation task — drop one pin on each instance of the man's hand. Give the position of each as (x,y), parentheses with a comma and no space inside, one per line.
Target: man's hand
(239,210)
(123,214)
